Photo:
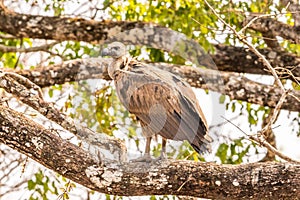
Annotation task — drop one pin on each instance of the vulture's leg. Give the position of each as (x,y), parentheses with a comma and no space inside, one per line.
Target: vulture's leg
(146,157)
(163,155)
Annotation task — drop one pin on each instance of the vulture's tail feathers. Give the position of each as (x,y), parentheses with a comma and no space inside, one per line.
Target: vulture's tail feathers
(202,146)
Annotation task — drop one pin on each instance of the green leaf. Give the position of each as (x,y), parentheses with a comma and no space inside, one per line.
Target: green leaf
(238,142)
(222,152)
(222,99)
(296,86)
(251,120)
(31,185)
(50,92)
(32,198)
(66,196)
(233,107)
(39,178)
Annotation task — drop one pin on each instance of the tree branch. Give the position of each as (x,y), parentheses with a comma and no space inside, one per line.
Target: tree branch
(43,146)
(60,28)
(23,89)
(28,93)
(277,28)
(44,47)
(240,59)
(235,59)
(260,135)
(251,47)
(206,180)
(231,84)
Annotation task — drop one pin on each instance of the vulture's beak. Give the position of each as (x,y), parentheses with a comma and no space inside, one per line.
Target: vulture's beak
(105,52)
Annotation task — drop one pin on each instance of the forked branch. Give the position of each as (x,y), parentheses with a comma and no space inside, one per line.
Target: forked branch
(260,135)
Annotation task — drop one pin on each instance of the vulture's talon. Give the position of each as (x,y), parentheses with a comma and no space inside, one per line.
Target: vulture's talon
(144,158)
(163,156)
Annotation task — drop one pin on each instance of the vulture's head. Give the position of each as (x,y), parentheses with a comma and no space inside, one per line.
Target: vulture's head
(115,50)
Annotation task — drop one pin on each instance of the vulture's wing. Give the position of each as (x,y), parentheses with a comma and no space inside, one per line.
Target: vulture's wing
(164,104)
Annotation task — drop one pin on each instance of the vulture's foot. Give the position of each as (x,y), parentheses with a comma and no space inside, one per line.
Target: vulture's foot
(144,158)
(163,156)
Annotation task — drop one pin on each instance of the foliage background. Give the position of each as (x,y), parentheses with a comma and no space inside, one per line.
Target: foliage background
(94,102)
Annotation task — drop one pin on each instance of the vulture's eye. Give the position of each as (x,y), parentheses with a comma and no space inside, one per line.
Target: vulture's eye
(115,48)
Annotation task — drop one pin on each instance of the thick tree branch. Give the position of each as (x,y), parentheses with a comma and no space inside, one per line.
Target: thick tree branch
(30,94)
(227,58)
(240,59)
(232,84)
(206,180)
(40,144)
(136,33)
(277,28)
(59,28)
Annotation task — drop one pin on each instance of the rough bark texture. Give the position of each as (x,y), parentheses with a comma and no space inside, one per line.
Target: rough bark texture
(240,59)
(277,28)
(32,139)
(231,84)
(59,28)
(207,180)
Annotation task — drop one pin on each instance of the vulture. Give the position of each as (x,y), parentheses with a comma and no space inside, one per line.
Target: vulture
(162,102)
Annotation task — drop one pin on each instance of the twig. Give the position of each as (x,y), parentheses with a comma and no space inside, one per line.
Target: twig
(252,21)
(276,111)
(297,98)
(284,72)
(258,17)
(187,180)
(260,140)
(222,123)
(45,47)
(251,47)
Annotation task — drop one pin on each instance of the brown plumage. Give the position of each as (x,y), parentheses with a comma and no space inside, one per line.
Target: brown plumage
(163,103)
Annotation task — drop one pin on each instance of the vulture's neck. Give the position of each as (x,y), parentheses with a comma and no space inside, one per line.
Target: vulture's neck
(115,66)
(121,64)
